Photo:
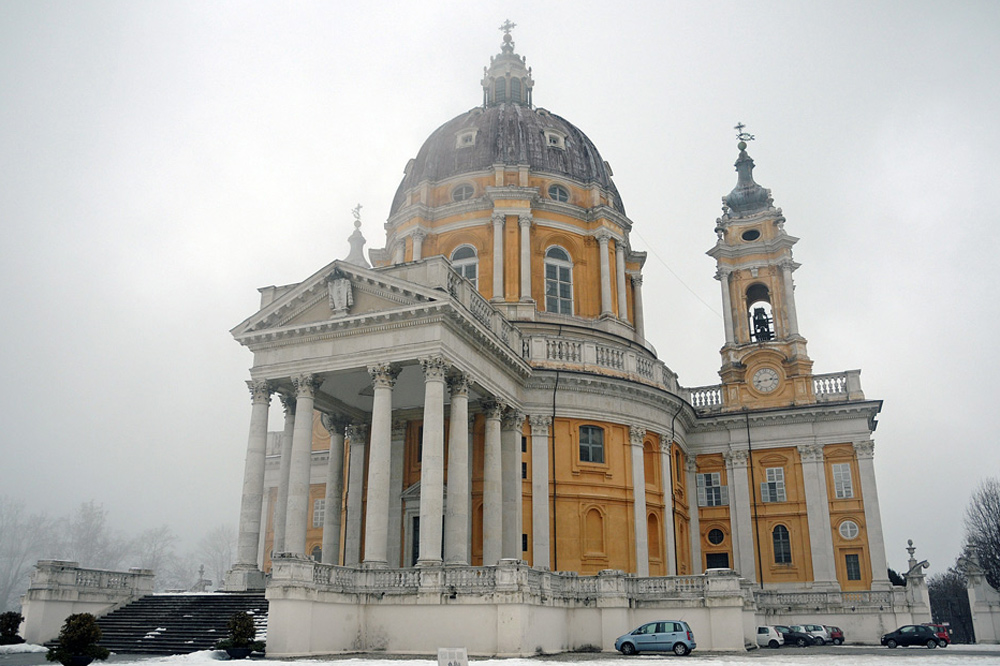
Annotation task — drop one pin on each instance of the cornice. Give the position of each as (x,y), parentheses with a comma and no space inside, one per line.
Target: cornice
(814,413)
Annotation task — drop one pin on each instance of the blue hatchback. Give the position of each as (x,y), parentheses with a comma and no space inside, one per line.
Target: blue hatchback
(660,636)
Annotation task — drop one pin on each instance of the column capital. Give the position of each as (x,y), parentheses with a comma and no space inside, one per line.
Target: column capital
(384,374)
(690,462)
(435,368)
(335,424)
(418,234)
(260,391)
(512,419)
(737,458)
(723,273)
(498,219)
(458,383)
(306,385)
(525,219)
(540,424)
(664,445)
(602,237)
(494,408)
(287,403)
(356,433)
(636,435)
(636,279)
(865,449)
(810,452)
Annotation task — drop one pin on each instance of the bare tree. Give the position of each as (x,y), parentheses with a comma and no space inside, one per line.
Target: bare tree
(154,549)
(87,538)
(982,528)
(23,539)
(216,548)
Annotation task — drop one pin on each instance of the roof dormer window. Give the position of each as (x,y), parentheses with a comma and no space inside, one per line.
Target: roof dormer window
(555,139)
(466,138)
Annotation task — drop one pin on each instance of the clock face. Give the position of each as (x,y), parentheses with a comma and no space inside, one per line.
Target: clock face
(765,380)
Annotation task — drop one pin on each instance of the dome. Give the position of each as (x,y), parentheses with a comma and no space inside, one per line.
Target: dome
(511,134)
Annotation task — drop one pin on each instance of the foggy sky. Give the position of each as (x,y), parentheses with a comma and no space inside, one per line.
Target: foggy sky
(160,161)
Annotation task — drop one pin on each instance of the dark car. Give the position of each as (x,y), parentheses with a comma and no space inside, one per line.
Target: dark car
(912,634)
(836,635)
(941,631)
(794,635)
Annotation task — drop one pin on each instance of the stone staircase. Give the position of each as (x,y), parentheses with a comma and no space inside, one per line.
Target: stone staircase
(178,623)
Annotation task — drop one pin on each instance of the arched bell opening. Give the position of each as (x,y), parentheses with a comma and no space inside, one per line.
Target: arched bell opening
(759,313)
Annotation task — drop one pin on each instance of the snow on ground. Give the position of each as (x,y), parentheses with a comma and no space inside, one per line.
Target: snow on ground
(21,648)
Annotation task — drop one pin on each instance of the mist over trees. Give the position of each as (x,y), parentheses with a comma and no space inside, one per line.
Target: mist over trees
(88,537)
(982,528)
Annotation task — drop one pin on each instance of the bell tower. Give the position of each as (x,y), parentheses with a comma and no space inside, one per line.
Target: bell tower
(764,360)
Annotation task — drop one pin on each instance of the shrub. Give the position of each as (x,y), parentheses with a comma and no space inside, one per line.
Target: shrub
(241,633)
(10,622)
(78,638)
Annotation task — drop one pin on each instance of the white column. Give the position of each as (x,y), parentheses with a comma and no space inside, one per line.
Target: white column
(602,241)
(691,467)
(418,244)
(357,435)
(512,521)
(524,221)
(253,475)
(492,494)
(636,437)
(298,475)
(741,520)
(334,490)
(787,267)
(377,506)
(669,539)
(395,536)
(818,515)
(620,275)
(399,251)
(498,285)
(637,315)
(456,518)
(540,557)
(281,502)
(865,452)
(722,275)
(432,462)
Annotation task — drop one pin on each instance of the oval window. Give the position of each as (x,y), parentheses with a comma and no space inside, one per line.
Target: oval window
(849,529)
(462,192)
(559,193)
(750,235)
(716,536)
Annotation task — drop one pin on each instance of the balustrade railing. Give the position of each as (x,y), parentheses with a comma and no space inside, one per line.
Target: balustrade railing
(564,350)
(609,357)
(706,397)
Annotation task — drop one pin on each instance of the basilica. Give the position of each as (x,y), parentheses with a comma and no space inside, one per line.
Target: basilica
(481,447)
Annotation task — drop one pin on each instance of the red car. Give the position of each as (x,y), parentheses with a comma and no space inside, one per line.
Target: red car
(836,635)
(942,631)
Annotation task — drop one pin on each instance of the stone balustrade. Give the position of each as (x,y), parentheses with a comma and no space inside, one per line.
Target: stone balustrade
(813,601)
(592,356)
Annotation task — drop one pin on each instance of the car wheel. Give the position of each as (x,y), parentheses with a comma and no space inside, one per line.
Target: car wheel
(890,643)
(773,644)
(837,641)
(680,649)
(819,640)
(628,648)
(942,643)
(931,643)
(801,642)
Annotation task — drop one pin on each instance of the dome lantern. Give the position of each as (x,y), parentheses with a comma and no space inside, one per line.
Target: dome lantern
(508,78)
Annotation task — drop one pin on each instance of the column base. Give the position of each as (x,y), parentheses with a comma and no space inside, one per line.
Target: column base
(244,578)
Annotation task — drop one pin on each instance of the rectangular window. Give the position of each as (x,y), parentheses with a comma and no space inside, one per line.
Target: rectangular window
(524,543)
(842,484)
(711,492)
(853,563)
(591,444)
(773,490)
(524,470)
(524,445)
(319,511)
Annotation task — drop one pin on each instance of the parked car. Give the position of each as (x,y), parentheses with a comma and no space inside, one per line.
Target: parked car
(942,631)
(911,634)
(836,634)
(818,632)
(660,636)
(768,636)
(794,635)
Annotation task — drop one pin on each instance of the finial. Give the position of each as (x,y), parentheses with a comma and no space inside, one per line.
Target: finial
(357,216)
(507,26)
(357,241)
(742,136)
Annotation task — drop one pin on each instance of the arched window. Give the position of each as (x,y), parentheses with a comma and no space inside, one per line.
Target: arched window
(558,281)
(462,192)
(782,545)
(500,90)
(591,444)
(317,554)
(515,90)
(653,536)
(559,193)
(465,261)
(759,313)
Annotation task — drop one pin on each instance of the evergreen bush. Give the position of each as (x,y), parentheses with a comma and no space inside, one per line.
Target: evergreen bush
(10,622)
(78,638)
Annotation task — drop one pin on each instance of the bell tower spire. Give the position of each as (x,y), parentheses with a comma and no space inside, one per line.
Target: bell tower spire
(764,359)
(507,80)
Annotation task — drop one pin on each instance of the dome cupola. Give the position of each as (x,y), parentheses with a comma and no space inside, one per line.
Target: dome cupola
(747,197)
(508,78)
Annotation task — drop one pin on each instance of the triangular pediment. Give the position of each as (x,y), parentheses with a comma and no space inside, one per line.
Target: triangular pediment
(336,292)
